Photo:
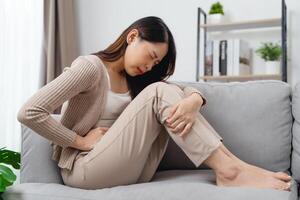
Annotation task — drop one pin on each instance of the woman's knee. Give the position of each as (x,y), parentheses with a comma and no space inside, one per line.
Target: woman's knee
(155,85)
(160,88)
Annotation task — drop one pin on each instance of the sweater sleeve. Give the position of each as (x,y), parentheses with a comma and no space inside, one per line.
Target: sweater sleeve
(35,112)
(188,90)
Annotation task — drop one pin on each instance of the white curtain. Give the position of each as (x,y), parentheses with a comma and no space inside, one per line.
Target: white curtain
(21,25)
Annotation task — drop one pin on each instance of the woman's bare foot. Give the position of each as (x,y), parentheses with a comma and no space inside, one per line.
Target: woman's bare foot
(280,175)
(234,172)
(249,176)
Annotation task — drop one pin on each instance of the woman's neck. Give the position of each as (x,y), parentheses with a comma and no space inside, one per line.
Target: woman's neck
(116,66)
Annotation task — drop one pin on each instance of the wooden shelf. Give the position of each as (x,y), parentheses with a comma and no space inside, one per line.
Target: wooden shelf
(242,77)
(264,23)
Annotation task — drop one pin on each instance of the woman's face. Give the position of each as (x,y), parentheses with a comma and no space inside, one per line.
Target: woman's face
(141,55)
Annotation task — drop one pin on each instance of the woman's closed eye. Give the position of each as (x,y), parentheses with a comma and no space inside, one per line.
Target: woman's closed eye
(157,62)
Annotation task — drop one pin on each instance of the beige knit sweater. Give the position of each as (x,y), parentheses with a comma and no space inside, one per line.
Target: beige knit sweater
(84,86)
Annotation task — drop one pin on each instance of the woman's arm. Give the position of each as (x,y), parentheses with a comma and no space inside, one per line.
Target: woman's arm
(198,99)
(35,113)
(188,91)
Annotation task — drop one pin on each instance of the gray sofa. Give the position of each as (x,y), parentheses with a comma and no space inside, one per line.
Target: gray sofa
(259,121)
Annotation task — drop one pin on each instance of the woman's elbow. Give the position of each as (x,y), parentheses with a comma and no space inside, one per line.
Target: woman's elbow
(21,116)
(28,114)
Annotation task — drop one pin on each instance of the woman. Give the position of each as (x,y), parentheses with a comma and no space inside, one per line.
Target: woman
(120,112)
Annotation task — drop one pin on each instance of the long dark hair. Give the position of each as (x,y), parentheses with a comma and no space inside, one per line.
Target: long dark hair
(151,29)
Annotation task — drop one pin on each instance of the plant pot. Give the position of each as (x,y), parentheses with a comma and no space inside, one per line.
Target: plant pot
(215,18)
(272,67)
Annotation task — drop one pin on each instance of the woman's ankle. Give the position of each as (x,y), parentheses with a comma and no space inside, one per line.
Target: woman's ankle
(231,155)
(224,165)
(229,171)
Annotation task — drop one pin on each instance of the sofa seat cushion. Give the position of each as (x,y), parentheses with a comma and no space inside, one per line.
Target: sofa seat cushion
(171,184)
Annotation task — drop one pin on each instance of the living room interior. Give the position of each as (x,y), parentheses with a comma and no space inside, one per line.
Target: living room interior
(241,56)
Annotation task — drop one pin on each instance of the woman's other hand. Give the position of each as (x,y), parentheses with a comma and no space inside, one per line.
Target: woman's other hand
(183,114)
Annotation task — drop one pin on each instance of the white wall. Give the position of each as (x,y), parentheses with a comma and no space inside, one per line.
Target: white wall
(101,22)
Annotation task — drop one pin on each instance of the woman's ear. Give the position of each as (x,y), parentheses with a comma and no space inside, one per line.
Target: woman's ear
(132,35)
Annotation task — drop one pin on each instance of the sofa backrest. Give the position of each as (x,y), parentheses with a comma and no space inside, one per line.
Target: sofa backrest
(295,168)
(36,163)
(254,118)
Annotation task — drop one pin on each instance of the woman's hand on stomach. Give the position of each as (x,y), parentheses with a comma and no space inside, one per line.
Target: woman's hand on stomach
(88,141)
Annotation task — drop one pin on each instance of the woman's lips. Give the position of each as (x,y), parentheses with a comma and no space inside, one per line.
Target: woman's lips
(140,71)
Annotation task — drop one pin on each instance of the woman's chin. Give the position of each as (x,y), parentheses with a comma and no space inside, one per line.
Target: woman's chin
(133,73)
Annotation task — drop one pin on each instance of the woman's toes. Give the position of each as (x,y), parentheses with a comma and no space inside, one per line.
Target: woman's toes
(288,187)
(283,176)
(281,185)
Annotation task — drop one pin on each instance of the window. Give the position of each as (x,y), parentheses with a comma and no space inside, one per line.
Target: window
(21,23)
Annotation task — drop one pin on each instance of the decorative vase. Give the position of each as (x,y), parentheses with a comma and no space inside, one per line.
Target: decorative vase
(272,67)
(215,18)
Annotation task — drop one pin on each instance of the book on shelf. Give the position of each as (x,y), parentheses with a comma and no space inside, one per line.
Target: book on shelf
(223,57)
(226,57)
(216,58)
(208,65)
(242,58)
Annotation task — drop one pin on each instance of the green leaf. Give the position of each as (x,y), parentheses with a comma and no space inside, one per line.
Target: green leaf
(7,177)
(10,157)
(7,174)
(3,184)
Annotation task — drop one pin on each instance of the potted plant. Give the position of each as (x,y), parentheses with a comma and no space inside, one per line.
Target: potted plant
(7,177)
(271,53)
(216,13)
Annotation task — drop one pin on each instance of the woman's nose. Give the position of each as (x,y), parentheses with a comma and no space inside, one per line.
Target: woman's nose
(148,68)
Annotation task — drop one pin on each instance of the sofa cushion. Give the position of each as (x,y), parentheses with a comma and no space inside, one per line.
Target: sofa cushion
(296,133)
(254,118)
(167,185)
(36,163)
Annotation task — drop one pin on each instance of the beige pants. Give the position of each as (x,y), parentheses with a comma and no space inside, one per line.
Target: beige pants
(132,148)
